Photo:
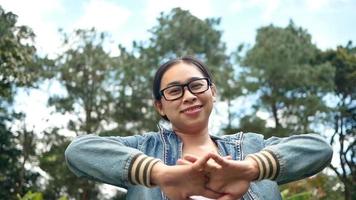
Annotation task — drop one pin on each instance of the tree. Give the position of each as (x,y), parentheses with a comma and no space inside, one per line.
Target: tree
(280,69)
(83,70)
(133,102)
(19,67)
(62,182)
(180,33)
(111,95)
(321,186)
(344,114)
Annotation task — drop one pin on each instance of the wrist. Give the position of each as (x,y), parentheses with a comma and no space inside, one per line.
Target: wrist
(254,170)
(157,173)
(268,164)
(140,170)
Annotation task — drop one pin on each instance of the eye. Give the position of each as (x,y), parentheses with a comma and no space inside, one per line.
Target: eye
(196,85)
(173,90)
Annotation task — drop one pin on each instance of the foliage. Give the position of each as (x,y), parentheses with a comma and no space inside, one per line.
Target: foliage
(8,163)
(18,59)
(135,70)
(280,69)
(299,196)
(18,68)
(318,187)
(62,181)
(82,70)
(344,115)
(31,196)
(180,33)
(36,196)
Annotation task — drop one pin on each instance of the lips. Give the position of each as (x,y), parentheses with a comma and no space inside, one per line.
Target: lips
(192,109)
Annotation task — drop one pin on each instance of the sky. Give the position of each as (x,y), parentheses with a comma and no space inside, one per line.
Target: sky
(330,22)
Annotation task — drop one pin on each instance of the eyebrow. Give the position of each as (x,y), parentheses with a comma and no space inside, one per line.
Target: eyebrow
(179,83)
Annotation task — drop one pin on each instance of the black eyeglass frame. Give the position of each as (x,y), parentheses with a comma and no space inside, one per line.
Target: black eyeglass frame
(182,86)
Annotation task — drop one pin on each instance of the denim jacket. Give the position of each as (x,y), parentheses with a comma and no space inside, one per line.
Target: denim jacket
(107,159)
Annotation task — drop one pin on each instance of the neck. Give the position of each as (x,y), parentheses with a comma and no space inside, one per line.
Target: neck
(194,138)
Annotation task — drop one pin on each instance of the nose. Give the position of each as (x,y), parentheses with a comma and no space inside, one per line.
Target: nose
(188,96)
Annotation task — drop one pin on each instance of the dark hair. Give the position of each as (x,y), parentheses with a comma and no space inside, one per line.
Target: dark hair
(165,66)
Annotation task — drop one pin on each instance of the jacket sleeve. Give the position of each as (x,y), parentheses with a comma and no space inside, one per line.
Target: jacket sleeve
(292,158)
(107,159)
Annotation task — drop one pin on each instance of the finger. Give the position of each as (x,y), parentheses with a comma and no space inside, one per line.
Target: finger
(215,185)
(220,160)
(211,167)
(190,158)
(200,163)
(228,157)
(211,194)
(183,162)
(227,197)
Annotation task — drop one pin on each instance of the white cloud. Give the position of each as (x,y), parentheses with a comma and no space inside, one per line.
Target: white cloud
(199,8)
(108,17)
(103,15)
(35,14)
(316,5)
(39,117)
(268,7)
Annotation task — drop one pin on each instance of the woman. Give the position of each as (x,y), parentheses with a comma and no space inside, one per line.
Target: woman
(186,162)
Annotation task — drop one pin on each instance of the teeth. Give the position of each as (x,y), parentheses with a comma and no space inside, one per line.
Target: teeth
(192,109)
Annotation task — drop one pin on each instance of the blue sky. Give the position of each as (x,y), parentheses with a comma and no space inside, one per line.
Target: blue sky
(330,22)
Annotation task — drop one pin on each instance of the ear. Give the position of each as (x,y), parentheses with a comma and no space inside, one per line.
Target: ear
(213,92)
(159,107)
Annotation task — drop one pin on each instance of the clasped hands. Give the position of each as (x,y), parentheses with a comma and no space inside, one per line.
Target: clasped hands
(211,176)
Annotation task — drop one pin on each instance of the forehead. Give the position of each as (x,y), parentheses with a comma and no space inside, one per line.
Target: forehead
(180,72)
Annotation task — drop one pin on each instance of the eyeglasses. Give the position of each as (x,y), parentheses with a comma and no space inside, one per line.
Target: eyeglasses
(195,86)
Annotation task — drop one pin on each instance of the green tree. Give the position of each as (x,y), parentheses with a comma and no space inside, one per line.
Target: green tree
(280,68)
(62,182)
(132,100)
(17,53)
(19,67)
(180,33)
(344,114)
(133,75)
(83,70)
(321,187)
(111,95)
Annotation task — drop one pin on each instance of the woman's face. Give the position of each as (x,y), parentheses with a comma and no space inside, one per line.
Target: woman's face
(190,112)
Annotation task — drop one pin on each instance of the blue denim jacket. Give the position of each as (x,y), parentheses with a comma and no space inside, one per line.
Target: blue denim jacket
(107,159)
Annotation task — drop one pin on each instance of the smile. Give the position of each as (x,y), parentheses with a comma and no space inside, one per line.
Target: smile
(192,109)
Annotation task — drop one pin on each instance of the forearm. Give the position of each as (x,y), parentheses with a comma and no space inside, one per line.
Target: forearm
(265,163)
(101,159)
(141,168)
(299,156)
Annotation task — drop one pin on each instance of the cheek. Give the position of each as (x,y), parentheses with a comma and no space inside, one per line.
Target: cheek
(168,107)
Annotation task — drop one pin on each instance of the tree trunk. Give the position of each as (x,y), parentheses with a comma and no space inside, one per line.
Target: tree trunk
(229,114)
(275,116)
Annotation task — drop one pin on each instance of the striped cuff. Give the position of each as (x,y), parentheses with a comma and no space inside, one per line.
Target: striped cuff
(267,163)
(140,170)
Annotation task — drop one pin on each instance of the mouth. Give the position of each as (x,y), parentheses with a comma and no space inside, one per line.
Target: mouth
(192,109)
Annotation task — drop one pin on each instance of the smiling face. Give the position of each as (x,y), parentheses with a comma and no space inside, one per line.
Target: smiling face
(190,112)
